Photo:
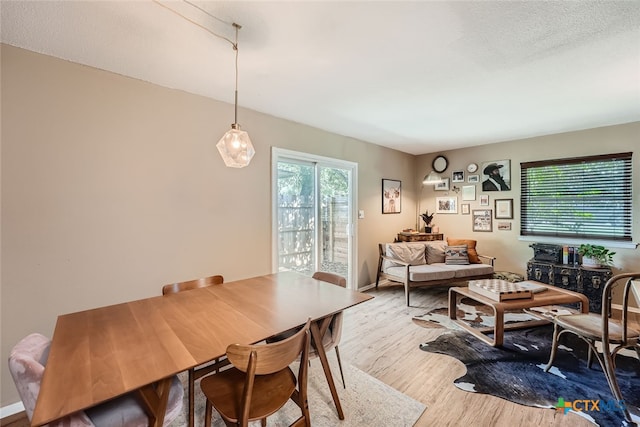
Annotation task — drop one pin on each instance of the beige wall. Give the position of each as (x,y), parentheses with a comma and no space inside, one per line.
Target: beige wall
(112,187)
(512,254)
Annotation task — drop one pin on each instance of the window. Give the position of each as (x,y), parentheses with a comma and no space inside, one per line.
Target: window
(584,197)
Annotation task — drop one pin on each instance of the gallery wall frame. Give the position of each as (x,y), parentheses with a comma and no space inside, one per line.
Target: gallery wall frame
(391,196)
(482,220)
(504,208)
(484,200)
(465,208)
(473,179)
(496,175)
(443,186)
(468,192)
(447,205)
(457,176)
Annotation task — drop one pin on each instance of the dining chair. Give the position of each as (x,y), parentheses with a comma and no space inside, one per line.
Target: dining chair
(331,337)
(614,333)
(192,284)
(198,372)
(27,362)
(260,381)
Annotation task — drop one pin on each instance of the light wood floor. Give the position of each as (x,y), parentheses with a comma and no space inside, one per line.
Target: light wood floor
(380,338)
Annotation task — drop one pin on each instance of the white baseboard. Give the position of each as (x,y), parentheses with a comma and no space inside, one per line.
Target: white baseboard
(366,288)
(6,411)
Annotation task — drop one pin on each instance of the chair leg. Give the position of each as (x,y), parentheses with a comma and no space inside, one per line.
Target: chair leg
(263,422)
(207,414)
(344,385)
(609,371)
(589,358)
(379,269)
(554,346)
(406,288)
(192,394)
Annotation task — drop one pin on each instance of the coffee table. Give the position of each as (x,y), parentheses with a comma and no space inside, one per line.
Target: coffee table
(494,336)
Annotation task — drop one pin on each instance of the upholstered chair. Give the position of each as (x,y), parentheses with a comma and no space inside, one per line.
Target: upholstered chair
(27,362)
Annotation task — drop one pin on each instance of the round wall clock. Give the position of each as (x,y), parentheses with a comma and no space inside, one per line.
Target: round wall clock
(472,167)
(440,164)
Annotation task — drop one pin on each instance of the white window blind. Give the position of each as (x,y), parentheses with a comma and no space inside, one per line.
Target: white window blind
(583,197)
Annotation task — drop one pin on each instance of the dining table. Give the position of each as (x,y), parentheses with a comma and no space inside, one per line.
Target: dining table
(138,346)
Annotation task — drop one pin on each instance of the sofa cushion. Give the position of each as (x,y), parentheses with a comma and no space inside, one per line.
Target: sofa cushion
(422,273)
(471,247)
(462,271)
(409,252)
(435,252)
(456,255)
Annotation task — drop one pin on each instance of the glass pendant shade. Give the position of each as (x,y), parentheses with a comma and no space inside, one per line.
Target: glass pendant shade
(433,178)
(235,147)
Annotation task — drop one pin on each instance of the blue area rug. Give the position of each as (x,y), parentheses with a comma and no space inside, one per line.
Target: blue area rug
(515,371)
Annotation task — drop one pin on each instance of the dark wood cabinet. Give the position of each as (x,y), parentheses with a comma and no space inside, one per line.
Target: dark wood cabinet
(587,281)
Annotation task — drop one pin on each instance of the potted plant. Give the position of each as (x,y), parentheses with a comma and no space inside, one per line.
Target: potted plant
(427,220)
(595,255)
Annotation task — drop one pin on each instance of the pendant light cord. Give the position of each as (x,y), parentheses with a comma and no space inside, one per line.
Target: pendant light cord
(235,47)
(197,24)
(233,44)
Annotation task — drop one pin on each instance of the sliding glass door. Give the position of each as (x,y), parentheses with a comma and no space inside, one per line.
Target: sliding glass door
(313,205)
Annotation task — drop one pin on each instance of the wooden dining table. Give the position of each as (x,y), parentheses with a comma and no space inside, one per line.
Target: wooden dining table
(99,354)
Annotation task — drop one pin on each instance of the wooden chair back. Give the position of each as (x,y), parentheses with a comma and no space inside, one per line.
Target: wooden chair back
(264,359)
(330,278)
(195,373)
(192,284)
(629,283)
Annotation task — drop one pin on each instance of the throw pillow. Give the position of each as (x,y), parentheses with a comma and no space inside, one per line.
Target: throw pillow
(456,255)
(435,252)
(412,253)
(471,247)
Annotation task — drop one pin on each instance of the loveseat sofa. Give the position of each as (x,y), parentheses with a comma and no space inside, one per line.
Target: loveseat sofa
(433,263)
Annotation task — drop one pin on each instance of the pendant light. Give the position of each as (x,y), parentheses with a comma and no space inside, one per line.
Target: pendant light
(235,146)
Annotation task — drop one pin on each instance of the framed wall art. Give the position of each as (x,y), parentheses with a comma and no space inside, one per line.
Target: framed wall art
(391,196)
(447,205)
(443,186)
(468,192)
(457,176)
(465,208)
(496,175)
(482,220)
(484,200)
(473,179)
(503,225)
(504,208)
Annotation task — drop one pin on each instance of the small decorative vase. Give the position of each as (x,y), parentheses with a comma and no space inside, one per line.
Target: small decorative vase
(427,229)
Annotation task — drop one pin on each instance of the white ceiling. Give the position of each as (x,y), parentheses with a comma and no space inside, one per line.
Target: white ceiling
(419,76)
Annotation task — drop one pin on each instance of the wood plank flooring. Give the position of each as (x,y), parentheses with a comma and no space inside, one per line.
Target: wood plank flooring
(380,338)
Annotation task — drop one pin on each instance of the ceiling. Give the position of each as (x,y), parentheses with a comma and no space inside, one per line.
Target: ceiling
(420,76)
